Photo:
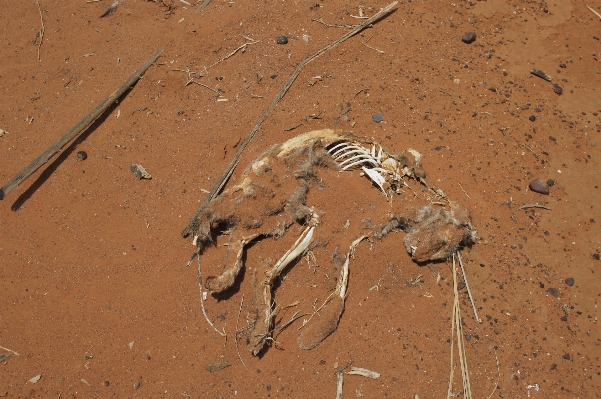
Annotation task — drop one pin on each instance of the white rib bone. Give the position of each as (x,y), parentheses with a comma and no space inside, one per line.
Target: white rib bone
(341,151)
(376,177)
(334,147)
(346,154)
(360,162)
(363,156)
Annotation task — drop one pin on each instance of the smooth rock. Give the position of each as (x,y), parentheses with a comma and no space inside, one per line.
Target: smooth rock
(540,186)
(281,40)
(378,117)
(468,37)
(570,281)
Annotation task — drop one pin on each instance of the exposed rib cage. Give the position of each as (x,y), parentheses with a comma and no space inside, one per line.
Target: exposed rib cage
(382,169)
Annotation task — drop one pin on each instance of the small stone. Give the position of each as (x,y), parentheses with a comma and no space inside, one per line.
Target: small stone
(597,257)
(540,186)
(136,384)
(81,155)
(532,118)
(468,37)
(553,291)
(468,337)
(273,76)
(566,356)
(35,379)
(563,66)
(564,318)
(551,182)
(497,331)
(281,40)
(106,383)
(557,89)
(570,281)
(552,138)
(553,366)
(378,117)
(140,172)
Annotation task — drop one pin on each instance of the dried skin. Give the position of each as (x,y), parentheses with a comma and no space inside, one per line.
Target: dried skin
(326,324)
(275,192)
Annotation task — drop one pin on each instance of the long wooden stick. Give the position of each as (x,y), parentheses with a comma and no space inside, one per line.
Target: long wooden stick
(76,130)
(192,226)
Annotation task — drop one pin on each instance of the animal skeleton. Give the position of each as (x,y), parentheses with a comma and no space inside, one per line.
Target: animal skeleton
(271,198)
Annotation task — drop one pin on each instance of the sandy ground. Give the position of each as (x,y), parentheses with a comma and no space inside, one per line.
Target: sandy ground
(96,294)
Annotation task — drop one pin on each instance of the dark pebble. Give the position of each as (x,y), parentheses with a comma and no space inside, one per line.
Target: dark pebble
(539,186)
(468,337)
(542,285)
(564,318)
(82,155)
(566,356)
(460,286)
(570,281)
(553,291)
(551,182)
(553,366)
(597,257)
(563,66)
(468,37)
(273,76)
(106,383)
(378,117)
(282,40)
(557,89)
(532,118)
(552,138)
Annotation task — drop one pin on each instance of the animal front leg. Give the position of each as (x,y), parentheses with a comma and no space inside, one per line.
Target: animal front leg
(330,315)
(217,284)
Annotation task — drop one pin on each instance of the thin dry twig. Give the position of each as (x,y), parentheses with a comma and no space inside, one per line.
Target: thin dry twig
(202,302)
(527,206)
(193,224)
(10,350)
(498,374)
(457,326)
(333,26)
(236,337)
(202,6)
(305,322)
(77,129)
(41,31)
(373,48)
(595,12)
(469,293)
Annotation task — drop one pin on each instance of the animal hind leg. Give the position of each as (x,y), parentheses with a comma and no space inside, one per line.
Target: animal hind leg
(263,281)
(327,323)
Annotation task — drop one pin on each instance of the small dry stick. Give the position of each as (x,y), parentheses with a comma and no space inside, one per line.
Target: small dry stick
(202,302)
(469,293)
(77,129)
(41,32)
(595,12)
(236,334)
(202,6)
(533,206)
(498,374)
(10,350)
(192,226)
(456,325)
(373,48)
(464,191)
